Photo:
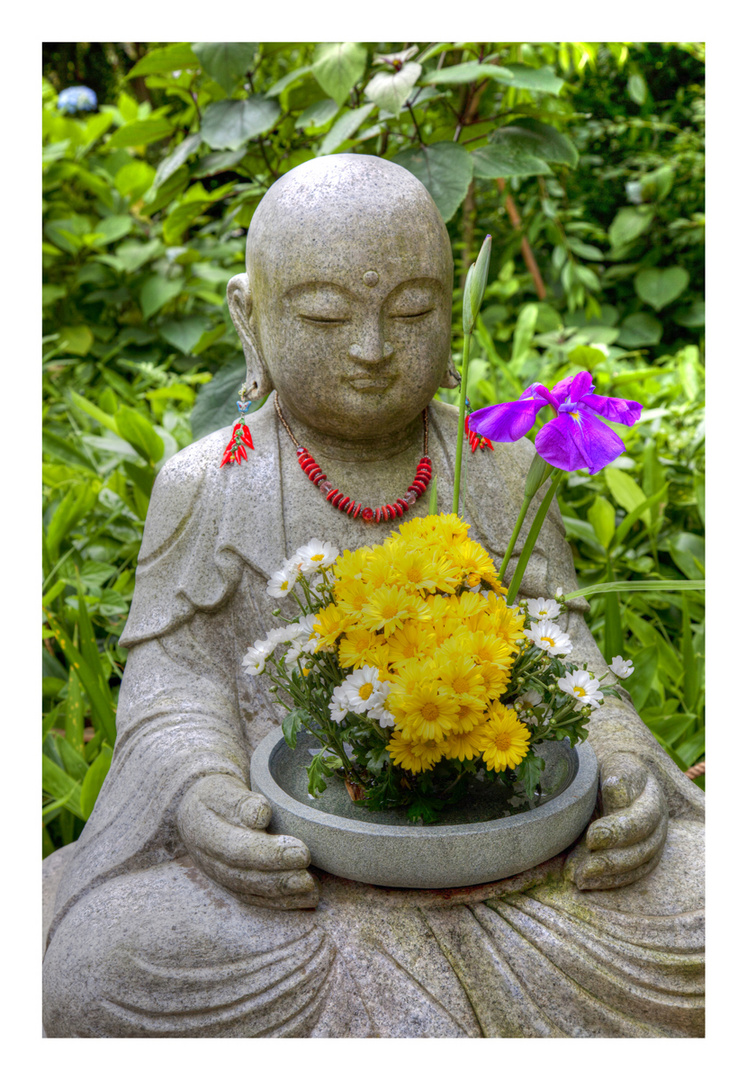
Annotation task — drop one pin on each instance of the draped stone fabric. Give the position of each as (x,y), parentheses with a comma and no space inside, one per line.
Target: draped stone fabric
(142,943)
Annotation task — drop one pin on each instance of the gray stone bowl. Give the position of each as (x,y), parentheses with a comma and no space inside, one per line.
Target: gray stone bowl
(384,848)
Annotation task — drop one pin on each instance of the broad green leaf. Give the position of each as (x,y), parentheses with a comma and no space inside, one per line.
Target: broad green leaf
(225,61)
(292,724)
(92,572)
(338,67)
(549,143)
(60,786)
(659,287)
(173,57)
(344,128)
(67,232)
(74,762)
(690,371)
(215,406)
(132,255)
(287,80)
(391,89)
(93,411)
(690,671)
(693,748)
(639,330)
(218,162)
(601,514)
(638,685)
(75,339)
(511,154)
(634,515)
(468,72)
(134,179)
(141,132)
(318,114)
(688,552)
(692,317)
(227,125)
(613,635)
(524,333)
(114,228)
(93,781)
(637,89)
(97,125)
(524,77)
(52,293)
(626,492)
(630,223)
(157,291)
(184,333)
(181,217)
(171,163)
(139,433)
(445,168)
(77,502)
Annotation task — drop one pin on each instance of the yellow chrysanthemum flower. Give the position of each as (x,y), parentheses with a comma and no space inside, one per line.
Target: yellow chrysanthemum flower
(474,562)
(329,624)
(450,529)
(389,607)
(460,676)
(413,640)
(425,570)
(380,570)
(426,712)
(413,529)
(495,680)
(351,594)
(470,715)
(468,605)
(446,629)
(351,564)
(414,756)
(359,647)
(465,745)
(490,650)
(504,740)
(505,622)
(411,673)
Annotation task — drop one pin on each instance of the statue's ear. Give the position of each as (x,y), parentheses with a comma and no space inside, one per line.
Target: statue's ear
(258,382)
(452,379)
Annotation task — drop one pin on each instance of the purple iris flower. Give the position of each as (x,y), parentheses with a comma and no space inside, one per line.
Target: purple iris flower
(575,438)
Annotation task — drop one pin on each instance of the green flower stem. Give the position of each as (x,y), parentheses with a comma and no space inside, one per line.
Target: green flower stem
(531,540)
(512,542)
(460,432)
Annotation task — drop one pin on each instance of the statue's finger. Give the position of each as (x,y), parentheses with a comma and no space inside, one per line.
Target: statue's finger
(248,849)
(634,823)
(296,888)
(612,869)
(233,800)
(622,779)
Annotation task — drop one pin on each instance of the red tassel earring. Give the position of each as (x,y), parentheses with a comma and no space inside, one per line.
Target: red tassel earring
(476,442)
(241,437)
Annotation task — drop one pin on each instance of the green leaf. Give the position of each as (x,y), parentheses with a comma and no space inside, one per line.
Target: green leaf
(523,77)
(688,552)
(511,153)
(132,255)
(74,762)
(98,692)
(170,58)
(134,180)
(391,89)
(663,586)
(637,89)
(529,772)
(227,125)
(171,163)
(93,411)
(344,128)
(75,711)
(318,114)
(60,786)
(601,514)
(660,287)
(141,132)
(292,724)
(338,67)
(693,749)
(468,72)
(524,333)
(637,512)
(316,772)
(184,333)
(75,339)
(52,293)
(639,330)
(215,406)
(139,433)
(287,80)
(692,317)
(115,227)
(445,168)
(630,223)
(93,781)
(626,492)
(77,502)
(157,291)
(613,636)
(638,685)
(225,61)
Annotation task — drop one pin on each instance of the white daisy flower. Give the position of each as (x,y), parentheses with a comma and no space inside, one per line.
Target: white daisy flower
(282,582)
(316,555)
(384,717)
(364,690)
(548,636)
(530,699)
(543,609)
(583,686)
(338,706)
(621,668)
(256,656)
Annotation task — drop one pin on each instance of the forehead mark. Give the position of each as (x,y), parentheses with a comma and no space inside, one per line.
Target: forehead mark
(370,278)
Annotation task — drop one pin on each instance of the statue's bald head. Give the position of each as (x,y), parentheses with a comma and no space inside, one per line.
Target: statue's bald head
(345,215)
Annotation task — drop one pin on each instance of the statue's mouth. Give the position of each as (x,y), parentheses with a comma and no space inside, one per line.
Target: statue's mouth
(371,382)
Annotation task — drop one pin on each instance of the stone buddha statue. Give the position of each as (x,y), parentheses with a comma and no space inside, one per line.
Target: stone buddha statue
(178,912)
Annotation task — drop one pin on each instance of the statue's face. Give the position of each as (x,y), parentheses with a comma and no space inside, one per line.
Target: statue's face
(352,311)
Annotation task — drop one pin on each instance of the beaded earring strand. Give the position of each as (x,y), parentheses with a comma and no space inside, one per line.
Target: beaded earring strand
(349,506)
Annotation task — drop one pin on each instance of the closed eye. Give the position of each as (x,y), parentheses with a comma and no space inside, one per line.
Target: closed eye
(414,314)
(320,320)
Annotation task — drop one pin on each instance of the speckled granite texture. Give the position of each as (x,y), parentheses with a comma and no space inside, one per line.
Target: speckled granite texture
(176,913)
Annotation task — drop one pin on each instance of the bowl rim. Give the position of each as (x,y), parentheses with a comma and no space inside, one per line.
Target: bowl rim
(263,781)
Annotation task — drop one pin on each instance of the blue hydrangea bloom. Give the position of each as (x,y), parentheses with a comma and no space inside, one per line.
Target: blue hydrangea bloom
(77,99)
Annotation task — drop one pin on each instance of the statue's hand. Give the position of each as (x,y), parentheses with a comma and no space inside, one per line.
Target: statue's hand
(221,822)
(626,842)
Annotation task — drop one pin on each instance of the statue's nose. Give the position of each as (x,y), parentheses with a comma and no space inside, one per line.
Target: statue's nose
(370,345)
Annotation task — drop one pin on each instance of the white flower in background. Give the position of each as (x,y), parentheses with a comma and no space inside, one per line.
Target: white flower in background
(548,636)
(530,699)
(365,691)
(256,656)
(621,668)
(384,717)
(338,706)
(316,555)
(583,686)
(543,609)
(282,581)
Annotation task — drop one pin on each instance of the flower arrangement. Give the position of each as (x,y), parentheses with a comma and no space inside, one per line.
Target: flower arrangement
(414,675)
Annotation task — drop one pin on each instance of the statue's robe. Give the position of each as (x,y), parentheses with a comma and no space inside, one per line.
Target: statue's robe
(142,943)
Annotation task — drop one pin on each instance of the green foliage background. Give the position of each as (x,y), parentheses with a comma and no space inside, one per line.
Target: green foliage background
(586,164)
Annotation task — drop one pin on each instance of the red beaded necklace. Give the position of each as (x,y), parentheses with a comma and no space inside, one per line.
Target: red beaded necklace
(349,506)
